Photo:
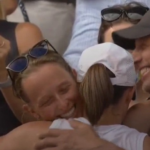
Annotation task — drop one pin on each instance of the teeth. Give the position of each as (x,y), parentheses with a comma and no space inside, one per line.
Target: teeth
(68,114)
(144,71)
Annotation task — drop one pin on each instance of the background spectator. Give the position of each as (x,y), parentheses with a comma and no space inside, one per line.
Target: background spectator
(55,18)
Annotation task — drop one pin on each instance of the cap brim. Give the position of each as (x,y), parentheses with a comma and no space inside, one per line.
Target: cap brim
(126,37)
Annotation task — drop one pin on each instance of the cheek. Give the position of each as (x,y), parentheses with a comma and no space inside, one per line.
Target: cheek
(146,56)
(48,113)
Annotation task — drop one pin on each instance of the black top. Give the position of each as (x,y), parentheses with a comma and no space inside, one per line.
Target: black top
(7,119)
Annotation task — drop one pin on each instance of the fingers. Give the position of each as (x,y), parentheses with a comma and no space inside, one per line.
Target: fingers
(50,133)
(48,142)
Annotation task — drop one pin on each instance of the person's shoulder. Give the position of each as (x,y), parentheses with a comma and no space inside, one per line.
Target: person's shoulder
(28,28)
(27,35)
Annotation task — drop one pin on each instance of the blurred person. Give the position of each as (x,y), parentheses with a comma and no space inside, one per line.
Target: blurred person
(55,19)
(16,38)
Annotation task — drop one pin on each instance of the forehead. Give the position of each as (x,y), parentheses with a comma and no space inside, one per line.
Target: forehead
(46,74)
(49,69)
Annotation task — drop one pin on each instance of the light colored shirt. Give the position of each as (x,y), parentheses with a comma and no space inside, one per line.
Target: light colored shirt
(86,26)
(120,135)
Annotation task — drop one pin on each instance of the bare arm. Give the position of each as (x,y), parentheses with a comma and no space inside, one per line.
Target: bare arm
(23,137)
(83,137)
(27,36)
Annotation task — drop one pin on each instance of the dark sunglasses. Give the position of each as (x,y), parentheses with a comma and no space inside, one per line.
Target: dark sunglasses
(21,63)
(113,14)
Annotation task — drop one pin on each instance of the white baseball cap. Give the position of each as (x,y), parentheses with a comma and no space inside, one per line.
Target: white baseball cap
(115,58)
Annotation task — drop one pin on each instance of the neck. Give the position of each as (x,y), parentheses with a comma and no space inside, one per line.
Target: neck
(112,115)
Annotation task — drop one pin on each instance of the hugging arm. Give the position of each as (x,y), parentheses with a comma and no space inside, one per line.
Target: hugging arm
(83,137)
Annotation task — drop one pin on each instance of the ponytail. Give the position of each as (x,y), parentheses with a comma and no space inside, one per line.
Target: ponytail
(97,91)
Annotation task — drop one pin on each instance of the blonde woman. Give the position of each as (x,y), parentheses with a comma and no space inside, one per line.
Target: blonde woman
(15,39)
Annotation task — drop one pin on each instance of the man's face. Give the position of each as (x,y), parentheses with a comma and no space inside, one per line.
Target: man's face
(141,56)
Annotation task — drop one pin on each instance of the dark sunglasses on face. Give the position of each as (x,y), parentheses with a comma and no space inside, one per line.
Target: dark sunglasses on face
(113,14)
(21,63)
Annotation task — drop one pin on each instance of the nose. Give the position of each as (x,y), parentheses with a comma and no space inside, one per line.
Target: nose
(137,58)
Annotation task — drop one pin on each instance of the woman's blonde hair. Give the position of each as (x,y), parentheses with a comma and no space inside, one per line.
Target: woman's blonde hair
(98,91)
(50,57)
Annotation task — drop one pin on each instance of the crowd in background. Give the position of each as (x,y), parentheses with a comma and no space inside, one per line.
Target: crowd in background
(42,88)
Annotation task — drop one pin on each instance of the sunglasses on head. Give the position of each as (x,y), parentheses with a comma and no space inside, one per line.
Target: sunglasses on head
(19,64)
(133,14)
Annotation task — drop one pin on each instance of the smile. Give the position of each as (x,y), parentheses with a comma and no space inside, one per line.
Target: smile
(144,71)
(69,114)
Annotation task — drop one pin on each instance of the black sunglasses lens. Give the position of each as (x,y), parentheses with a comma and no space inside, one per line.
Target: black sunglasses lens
(38,52)
(111,14)
(19,64)
(136,13)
